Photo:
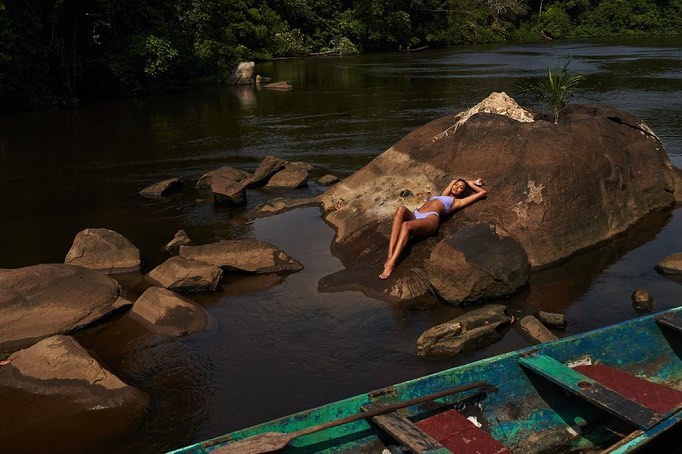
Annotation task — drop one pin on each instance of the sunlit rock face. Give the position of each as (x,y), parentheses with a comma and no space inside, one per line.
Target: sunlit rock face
(555,188)
(43,300)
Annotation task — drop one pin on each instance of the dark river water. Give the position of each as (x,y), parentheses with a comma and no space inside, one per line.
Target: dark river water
(276,344)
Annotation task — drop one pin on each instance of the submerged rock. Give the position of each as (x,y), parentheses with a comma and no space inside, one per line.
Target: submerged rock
(104,250)
(281,85)
(328,180)
(552,319)
(473,330)
(167,313)
(162,188)
(642,301)
(279,205)
(536,331)
(185,275)
(44,300)
(293,175)
(251,256)
(227,172)
(671,264)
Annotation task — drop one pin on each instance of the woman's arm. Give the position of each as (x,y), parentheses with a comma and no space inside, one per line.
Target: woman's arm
(448,188)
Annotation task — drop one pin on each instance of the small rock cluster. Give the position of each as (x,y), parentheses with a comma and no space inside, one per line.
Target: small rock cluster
(41,305)
(228,185)
(483,326)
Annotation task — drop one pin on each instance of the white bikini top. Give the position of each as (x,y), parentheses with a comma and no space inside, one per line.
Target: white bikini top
(446,200)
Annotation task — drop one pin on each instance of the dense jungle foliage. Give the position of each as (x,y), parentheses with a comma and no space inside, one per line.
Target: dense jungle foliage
(54,52)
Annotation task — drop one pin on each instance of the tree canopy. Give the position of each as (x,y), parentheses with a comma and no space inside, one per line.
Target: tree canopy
(55,52)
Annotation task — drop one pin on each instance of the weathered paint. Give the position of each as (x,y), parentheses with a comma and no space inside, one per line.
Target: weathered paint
(526,414)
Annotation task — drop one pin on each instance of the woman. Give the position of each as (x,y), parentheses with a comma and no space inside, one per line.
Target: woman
(426,219)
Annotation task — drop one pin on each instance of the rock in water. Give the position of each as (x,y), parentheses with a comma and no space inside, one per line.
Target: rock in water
(180,239)
(104,250)
(44,300)
(267,168)
(293,175)
(671,264)
(251,256)
(167,313)
(478,262)
(59,366)
(473,330)
(243,74)
(185,275)
(162,188)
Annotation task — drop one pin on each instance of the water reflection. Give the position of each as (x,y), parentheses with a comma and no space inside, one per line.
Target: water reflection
(246,95)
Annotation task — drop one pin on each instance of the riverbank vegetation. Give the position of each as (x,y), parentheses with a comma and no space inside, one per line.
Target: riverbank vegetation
(56,52)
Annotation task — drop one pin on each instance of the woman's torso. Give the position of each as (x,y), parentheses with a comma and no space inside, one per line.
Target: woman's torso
(439,204)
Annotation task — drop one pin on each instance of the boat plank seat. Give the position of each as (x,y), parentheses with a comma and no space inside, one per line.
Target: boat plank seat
(459,435)
(672,320)
(407,433)
(659,398)
(591,390)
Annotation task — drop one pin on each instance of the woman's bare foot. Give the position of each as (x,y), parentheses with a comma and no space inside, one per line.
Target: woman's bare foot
(388,269)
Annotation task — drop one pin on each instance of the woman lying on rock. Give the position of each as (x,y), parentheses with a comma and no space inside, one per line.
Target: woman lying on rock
(426,219)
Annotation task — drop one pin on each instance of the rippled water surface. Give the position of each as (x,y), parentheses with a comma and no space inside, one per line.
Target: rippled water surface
(276,344)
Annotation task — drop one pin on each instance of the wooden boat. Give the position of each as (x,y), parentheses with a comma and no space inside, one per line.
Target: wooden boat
(614,388)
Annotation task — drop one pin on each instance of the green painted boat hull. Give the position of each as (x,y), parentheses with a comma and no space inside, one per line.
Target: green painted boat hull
(527,413)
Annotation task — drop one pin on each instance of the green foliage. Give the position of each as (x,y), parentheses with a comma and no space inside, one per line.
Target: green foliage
(346,47)
(158,54)
(555,22)
(289,43)
(553,91)
(58,51)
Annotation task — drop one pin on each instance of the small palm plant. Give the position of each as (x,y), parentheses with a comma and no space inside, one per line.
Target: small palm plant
(553,91)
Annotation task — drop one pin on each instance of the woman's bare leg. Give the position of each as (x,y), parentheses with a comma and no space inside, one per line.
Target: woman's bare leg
(418,227)
(402,214)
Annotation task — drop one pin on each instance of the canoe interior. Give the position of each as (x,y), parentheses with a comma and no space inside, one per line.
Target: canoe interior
(527,413)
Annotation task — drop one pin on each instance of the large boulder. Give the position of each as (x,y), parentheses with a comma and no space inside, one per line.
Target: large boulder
(556,188)
(104,250)
(185,275)
(167,313)
(251,256)
(472,330)
(58,366)
(478,262)
(44,300)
